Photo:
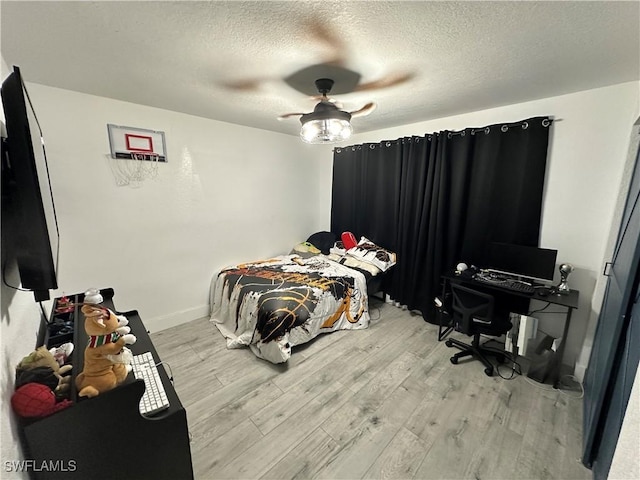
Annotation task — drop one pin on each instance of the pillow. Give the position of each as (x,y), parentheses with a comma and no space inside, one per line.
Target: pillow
(370,252)
(354,262)
(338,248)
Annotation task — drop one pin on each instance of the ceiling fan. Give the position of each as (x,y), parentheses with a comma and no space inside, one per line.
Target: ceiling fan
(333,65)
(327,123)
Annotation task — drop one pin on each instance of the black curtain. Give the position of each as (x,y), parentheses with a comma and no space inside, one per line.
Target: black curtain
(442,198)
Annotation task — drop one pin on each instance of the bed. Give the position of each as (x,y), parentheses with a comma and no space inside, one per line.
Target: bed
(275,304)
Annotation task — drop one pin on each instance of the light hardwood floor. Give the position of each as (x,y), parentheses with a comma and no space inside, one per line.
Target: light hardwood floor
(384,402)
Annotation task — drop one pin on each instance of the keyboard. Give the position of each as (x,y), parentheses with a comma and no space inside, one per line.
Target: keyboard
(154,399)
(504,282)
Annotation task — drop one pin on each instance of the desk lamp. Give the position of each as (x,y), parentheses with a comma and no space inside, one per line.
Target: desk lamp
(565,270)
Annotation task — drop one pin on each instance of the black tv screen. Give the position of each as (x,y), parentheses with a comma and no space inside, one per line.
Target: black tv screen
(30,229)
(524,261)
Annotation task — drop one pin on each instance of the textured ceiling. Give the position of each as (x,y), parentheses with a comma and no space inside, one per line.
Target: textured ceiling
(228,60)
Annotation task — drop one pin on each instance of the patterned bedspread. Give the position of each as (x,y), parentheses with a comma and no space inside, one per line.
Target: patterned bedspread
(276,304)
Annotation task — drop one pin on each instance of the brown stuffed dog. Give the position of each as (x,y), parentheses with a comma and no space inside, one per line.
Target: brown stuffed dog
(106,359)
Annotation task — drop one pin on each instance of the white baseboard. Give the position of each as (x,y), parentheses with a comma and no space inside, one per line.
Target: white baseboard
(177,318)
(579,371)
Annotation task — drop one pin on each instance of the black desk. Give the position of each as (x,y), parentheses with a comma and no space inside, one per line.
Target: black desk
(568,300)
(105,437)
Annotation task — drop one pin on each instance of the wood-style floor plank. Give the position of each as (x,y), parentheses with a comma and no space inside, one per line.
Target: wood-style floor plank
(344,425)
(216,453)
(400,459)
(259,458)
(219,423)
(304,461)
(363,444)
(381,403)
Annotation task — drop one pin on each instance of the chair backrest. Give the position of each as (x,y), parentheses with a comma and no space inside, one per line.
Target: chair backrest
(472,309)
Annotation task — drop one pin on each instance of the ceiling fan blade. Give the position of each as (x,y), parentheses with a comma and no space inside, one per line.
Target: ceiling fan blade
(366,110)
(287,115)
(323,34)
(247,85)
(389,81)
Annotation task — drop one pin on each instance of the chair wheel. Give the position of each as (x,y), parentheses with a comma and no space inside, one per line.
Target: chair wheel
(448,343)
(454,360)
(488,371)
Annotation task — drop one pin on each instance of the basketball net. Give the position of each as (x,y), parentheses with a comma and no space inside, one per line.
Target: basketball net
(132,172)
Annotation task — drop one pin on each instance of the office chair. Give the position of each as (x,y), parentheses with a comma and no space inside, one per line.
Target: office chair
(475,313)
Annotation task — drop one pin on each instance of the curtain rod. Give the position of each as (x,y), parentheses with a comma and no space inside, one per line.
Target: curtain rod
(546,122)
(524,124)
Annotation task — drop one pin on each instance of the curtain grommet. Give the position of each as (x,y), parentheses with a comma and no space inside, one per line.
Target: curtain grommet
(338,150)
(388,144)
(487,130)
(449,135)
(463,133)
(473,132)
(546,122)
(525,125)
(504,128)
(372,146)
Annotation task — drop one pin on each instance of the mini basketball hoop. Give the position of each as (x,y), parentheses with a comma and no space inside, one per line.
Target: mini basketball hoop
(134,171)
(135,154)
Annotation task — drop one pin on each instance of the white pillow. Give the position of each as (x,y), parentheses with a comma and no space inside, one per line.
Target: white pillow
(354,262)
(369,252)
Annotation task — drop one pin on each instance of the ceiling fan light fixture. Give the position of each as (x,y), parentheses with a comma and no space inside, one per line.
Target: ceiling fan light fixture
(326,124)
(331,130)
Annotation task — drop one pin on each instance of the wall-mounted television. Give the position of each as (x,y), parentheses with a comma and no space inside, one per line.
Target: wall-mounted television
(30,234)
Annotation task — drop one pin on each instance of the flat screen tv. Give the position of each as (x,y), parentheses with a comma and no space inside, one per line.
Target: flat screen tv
(30,234)
(533,263)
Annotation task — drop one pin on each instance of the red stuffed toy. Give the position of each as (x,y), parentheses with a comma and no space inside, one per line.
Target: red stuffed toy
(35,400)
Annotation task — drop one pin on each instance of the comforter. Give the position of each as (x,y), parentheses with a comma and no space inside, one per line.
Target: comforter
(275,304)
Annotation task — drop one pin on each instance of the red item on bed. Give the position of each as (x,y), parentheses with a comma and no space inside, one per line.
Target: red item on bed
(348,240)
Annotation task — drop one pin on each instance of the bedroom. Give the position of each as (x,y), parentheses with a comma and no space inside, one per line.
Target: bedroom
(206,208)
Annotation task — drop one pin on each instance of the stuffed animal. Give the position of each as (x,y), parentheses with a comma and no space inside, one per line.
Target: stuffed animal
(106,359)
(61,353)
(40,366)
(34,400)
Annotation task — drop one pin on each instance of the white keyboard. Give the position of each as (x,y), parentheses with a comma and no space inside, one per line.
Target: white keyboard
(154,398)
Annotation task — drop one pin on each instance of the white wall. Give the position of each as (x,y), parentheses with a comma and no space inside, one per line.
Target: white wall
(18,331)
(19,321)
(231,193)
(227,194)
(612,237)
(587,152)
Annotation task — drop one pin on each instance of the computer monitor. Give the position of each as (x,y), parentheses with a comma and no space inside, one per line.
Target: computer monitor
(518,260)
